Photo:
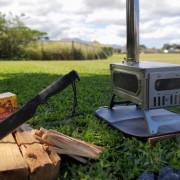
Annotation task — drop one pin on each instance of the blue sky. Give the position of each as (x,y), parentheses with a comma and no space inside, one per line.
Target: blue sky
(100,20)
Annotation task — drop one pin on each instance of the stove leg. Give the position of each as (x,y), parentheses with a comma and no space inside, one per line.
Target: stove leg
(153,125)
(112,103)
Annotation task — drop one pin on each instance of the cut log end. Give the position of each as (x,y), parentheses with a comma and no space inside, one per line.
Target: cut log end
(41,163)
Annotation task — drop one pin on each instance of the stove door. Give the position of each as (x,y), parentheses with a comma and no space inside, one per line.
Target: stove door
(127,84)
(164,89)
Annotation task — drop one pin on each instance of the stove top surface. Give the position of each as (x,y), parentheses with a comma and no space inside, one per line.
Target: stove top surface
(148,65)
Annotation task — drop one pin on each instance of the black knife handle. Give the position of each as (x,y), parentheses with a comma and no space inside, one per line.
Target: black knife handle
(59,85)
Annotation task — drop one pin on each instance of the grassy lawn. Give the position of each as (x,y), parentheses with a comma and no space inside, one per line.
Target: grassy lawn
(124,158)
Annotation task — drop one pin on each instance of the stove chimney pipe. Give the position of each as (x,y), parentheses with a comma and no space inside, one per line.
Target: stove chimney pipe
(132,18)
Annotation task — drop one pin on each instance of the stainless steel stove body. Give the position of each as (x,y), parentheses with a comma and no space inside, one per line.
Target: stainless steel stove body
(150,86)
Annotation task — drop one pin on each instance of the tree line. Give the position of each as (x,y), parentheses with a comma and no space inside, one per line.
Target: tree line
(15,36)
(18,41)
(165,46)
(171,46)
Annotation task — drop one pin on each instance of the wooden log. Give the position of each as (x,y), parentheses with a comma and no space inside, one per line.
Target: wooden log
(72,147)
(50,145)
(71,144)
(73,155)
(67,152)
(25,127)
(41,140)
(63,144)
(13,166)
(78,143)
(77,140)
(40,164)
(80,159)
(156,139)
(38,133)
(54,171)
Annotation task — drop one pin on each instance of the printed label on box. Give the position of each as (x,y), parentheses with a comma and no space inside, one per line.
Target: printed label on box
(8,104)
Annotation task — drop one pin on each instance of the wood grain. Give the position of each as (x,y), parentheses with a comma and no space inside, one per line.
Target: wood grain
(12,164)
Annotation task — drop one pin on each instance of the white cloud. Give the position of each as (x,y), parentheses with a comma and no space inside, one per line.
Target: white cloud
(107,17)
(104,4)
(5,3)
(77,6)
(100,20)
(112,34)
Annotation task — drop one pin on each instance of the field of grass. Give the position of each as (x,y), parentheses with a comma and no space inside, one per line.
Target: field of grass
(65,51)
(125,157)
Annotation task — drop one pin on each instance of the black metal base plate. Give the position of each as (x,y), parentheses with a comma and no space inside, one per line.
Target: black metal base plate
(129,120)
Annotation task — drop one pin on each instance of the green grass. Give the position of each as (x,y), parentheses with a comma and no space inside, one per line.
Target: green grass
(166,58)
(125,157)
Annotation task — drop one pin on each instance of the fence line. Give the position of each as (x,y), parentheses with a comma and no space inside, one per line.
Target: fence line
(76,50)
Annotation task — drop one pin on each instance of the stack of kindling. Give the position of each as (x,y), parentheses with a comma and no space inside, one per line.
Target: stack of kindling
(63,144)
(23,157)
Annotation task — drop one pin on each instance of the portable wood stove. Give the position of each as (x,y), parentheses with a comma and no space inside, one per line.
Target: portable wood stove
(147,87)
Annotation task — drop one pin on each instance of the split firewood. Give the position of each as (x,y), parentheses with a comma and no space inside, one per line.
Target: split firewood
(13,164)
(42,164)
(63,144)
(78,140)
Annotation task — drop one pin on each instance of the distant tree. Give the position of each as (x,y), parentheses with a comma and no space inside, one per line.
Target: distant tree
(176,46)
(142,46)
(46,38)
(96,43)
(2,30)
(2,22)
(117,50)
(166,46)
(15,35)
